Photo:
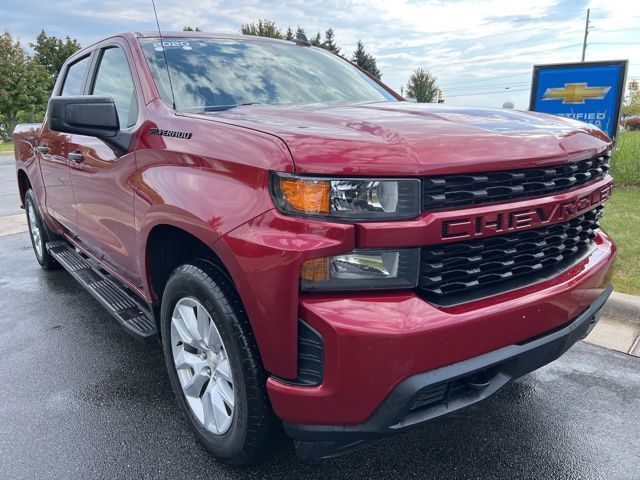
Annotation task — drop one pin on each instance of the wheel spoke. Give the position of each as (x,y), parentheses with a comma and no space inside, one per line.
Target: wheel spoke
(179,329)
(203,324)
(224,369)
(225,391)
(193,387)
(186,359)
(219,410)
(191,323)
(192,372)
(207,410)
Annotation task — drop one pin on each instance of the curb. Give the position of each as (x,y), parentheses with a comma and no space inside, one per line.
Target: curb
(624,307)
(12,224)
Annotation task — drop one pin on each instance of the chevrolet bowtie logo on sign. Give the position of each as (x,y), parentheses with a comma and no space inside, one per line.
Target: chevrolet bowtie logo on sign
(575,93)
(589,92)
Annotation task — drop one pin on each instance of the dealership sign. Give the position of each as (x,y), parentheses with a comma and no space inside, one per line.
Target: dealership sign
(591,92)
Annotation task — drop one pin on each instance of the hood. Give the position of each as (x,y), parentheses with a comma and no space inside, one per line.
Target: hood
(402,138)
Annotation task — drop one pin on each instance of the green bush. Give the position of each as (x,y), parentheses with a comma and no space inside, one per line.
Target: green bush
(625,163)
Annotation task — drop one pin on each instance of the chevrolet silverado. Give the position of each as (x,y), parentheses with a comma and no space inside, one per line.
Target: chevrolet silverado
(313,252)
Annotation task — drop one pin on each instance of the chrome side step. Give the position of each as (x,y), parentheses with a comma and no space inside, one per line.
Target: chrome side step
(131,313)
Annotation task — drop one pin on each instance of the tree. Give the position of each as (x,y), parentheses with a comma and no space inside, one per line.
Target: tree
(189,28)
(289,36)
(422,86)
(316,41)
(24,87)
(262,28)
(631,106)
(51,52)
(365,60)
(330,43)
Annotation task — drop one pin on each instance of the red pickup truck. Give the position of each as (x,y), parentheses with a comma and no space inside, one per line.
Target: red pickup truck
(313,251)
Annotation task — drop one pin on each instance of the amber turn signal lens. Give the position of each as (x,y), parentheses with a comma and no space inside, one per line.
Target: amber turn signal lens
(315,270)
(306,196)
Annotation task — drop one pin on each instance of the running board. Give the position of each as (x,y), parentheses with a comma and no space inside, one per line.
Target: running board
(124,306)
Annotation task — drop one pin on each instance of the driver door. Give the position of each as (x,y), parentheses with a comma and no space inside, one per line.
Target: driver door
(103,181)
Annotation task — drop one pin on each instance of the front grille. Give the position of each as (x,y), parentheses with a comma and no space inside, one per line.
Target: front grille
(449,191)
(456,270)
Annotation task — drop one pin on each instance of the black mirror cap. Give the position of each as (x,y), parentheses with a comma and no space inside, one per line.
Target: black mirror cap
(84,115)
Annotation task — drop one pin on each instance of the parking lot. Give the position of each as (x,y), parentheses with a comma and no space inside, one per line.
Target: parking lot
(81,399)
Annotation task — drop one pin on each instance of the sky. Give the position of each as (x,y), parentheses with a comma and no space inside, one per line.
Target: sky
(482,51)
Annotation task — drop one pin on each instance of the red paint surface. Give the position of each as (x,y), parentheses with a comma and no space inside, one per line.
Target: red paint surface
(374,341)
(215,186)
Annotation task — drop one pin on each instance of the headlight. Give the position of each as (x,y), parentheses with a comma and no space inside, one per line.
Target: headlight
(362,270)
(347,198)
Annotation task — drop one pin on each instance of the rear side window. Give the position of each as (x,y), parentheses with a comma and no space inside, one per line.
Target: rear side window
(114,80)
(74,80)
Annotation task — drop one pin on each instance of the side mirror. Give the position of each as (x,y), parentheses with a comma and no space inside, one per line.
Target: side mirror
(91,116)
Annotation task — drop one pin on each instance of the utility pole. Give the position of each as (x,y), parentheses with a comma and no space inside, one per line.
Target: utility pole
(586,34)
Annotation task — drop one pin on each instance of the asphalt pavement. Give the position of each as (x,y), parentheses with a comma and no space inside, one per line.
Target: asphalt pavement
(81,399)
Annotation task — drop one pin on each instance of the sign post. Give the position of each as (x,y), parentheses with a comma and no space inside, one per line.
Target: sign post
(591,92)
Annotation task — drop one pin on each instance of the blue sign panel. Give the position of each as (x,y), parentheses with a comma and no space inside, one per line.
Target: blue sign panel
(590,92)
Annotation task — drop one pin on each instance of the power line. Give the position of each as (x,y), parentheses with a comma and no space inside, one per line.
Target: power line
(486,79)
(506,86)
(614,43)
(558,22)
(486,93)
(562,47)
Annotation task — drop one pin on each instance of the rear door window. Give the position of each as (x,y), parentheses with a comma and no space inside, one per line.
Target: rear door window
(74,80)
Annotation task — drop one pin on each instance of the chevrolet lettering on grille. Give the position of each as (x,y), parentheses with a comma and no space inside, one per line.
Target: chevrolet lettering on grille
(519,219)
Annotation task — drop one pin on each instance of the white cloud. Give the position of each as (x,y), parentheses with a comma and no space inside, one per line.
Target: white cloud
(465,43)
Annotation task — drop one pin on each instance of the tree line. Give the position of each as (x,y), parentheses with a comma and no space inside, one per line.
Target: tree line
(27,77)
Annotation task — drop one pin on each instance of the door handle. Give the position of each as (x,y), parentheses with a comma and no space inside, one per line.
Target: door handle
(42,149)
(76,157)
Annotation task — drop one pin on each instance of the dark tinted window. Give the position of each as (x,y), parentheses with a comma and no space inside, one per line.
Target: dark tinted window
(209,73)
(74,81)
(114,80)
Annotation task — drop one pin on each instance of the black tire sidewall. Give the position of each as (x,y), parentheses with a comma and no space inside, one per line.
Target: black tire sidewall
(183,284)
(30,199)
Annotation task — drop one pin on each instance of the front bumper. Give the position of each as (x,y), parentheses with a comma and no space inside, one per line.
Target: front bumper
(372,341)
(441,391)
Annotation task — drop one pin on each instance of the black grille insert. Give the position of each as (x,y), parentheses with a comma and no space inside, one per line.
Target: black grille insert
(473,189)
(458,269)
(310,355)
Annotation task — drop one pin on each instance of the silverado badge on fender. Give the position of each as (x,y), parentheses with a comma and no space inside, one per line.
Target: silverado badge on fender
(169,133)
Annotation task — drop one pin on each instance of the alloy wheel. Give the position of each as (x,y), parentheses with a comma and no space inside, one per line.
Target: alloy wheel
(36,235)
(202,365)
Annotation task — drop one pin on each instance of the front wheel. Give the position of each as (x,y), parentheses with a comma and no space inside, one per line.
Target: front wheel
(38,232)
(213,364)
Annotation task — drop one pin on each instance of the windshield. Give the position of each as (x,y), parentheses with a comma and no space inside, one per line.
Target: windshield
(214,74)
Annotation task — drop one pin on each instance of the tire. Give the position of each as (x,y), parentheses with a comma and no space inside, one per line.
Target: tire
(38,232)
(252,422)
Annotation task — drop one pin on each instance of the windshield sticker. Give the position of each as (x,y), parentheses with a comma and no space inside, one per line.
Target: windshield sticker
(158,46)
